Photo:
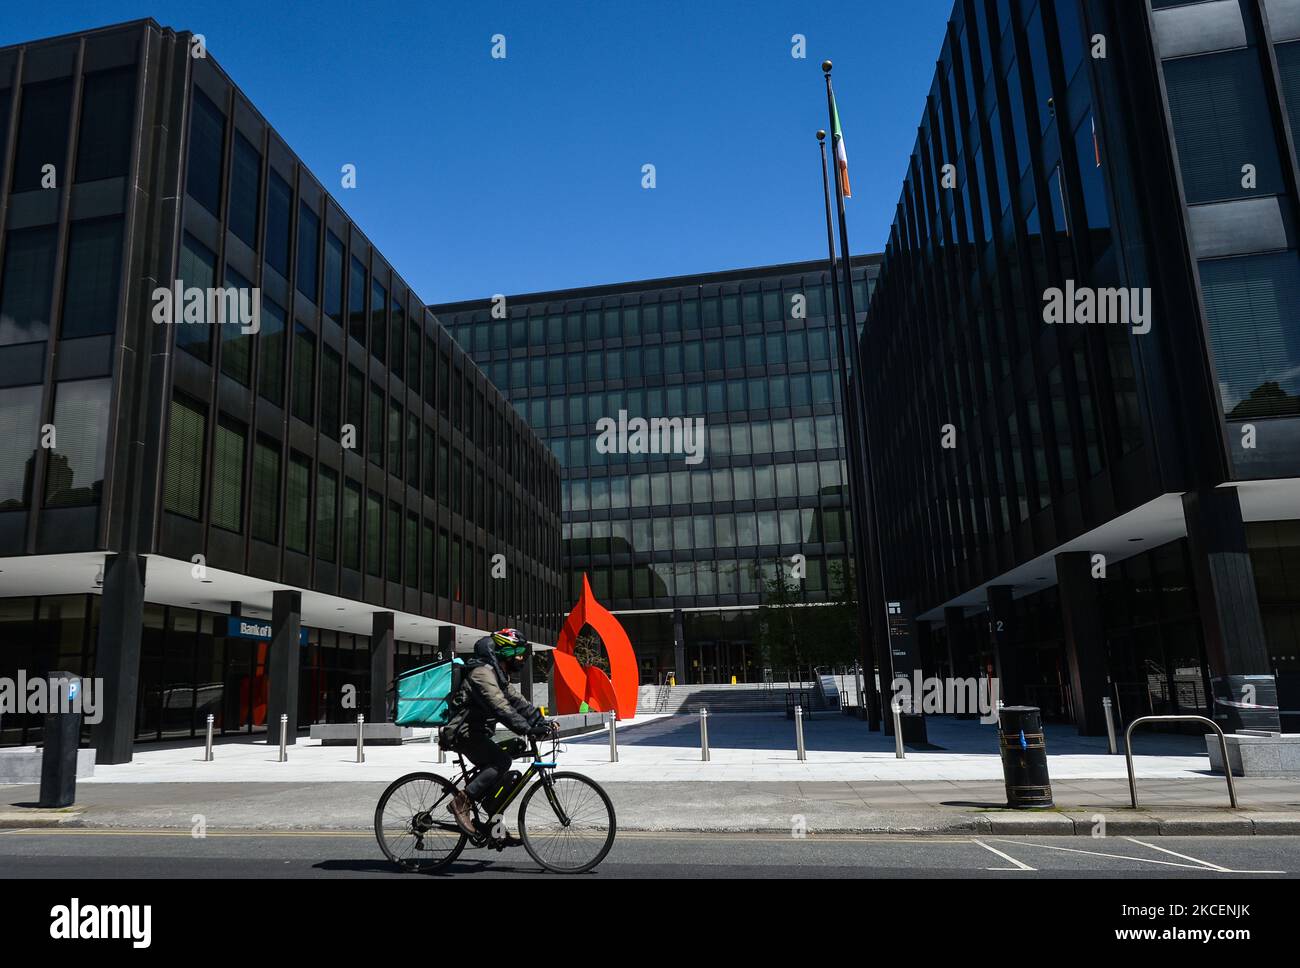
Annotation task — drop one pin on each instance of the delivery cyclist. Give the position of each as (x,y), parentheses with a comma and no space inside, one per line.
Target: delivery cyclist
(485,698)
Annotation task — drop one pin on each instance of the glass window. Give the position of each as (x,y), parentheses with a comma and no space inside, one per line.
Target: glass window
(378,323)
(394,564)
(297,503)
(1221,122)
(94,269)
(75,473)
(183,476)
(304,373)
(198,270)
(270,350)
(104,140)
(1253,308)
(42,133)
(357,300)
(228,451)
(245,190)
(207,138)
(266,490)
(279,214)
(331,386)
(397,358)
(27,284)
(374,533)
(20,420)
(327,482)
(236,345)
(352,525)
(333,276)
(308,252)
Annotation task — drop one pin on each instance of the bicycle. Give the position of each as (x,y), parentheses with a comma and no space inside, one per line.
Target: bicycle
(416,832)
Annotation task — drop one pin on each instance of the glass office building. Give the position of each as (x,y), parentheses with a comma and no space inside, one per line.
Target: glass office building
(216,515)
(1093,280)
(682,547)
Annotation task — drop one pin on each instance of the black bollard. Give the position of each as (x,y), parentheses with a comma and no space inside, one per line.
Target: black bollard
(1024,757)
(61,737)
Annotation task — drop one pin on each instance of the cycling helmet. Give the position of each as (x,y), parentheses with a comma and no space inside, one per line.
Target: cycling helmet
(509,644)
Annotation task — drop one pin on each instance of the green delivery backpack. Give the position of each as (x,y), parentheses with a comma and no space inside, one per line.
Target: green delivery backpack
(424,695)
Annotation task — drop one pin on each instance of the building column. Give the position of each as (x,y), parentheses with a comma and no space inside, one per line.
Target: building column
(282,665)
(1084,627)
(383,649)
(1006,664)
(679,646)
(117,655)
(962,652)
(446,641)
(1241,675)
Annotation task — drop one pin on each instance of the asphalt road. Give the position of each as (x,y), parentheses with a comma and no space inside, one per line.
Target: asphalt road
(85,853)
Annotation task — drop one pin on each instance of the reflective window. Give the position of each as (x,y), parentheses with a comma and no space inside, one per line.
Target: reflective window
(91,288)
(245,190)
(42,134)
(107,109)
(207,137)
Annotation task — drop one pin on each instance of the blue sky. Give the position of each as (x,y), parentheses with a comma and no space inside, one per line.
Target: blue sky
(479,175)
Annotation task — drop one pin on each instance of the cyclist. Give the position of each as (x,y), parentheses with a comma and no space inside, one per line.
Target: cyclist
(486,697)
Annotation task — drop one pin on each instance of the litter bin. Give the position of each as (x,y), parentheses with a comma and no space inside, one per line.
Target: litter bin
(1024,757)
(61,737)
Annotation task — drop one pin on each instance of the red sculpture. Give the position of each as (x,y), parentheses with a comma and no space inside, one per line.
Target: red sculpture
(575,683)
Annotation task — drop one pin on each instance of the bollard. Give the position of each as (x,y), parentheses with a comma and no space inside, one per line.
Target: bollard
(798,733)
(284,737)
(897,707)
(704,735)
(613,737)
(361,738)
(1110,724)
(442,753)
(207,751)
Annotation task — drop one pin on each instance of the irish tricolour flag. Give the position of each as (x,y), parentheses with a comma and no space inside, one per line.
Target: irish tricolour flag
(841,156)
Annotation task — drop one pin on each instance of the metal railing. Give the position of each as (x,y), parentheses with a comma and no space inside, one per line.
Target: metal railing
(1128,751)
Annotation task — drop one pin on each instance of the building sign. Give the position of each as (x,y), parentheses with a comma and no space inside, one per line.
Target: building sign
(241,627)
(902,643)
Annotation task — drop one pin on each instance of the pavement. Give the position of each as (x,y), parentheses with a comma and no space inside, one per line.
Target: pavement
(850,783)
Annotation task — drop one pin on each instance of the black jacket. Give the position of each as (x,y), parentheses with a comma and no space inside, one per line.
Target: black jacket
(486,697)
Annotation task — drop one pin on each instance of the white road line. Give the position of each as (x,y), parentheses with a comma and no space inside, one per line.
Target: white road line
(1097,853)
(1173,853)
(1006,857)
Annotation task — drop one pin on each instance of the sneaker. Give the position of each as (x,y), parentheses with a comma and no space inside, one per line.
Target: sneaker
(462,808)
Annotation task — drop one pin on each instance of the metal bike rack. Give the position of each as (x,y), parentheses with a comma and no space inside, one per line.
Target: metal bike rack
(1128,750)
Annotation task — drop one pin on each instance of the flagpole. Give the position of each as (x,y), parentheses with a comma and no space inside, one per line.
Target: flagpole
(868,696)
(870,527)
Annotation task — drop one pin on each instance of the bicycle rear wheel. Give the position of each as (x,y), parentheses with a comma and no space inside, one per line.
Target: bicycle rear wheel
(412,824)
(570,827)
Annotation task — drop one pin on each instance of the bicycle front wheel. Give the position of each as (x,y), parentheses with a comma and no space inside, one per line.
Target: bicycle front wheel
(412,824)
(566,822)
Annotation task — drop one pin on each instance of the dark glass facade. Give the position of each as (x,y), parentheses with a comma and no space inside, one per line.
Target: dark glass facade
(683,551)
(253,452)
(1142,155)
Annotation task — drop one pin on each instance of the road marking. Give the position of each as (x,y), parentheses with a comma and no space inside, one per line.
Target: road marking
(1173,853)
(1097,853)
(1019,866)
(1224,870)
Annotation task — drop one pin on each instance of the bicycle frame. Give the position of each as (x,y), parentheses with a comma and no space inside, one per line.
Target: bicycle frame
(537,768)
